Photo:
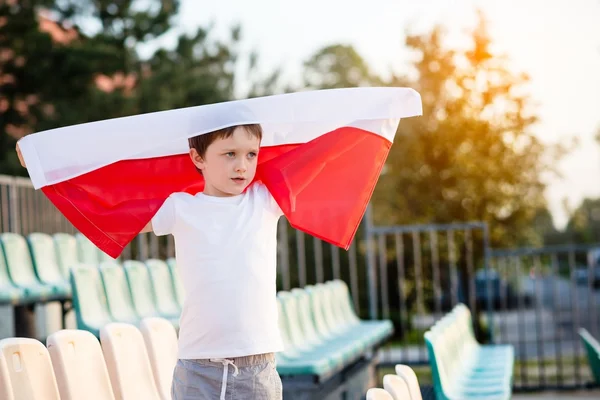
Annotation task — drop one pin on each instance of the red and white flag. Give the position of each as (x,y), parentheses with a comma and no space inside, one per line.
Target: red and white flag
(321,155)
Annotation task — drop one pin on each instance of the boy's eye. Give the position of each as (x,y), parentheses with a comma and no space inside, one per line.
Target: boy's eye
(230,154)
(251,154)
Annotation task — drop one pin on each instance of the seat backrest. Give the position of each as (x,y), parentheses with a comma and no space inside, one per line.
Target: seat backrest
(408,374)
(346,302)
(397,387)
(18,259)
(66,252)
(164,287)
(378,394)
(118,295)
(288,346)
(29,369)
(161,343)
(292,316)
(334,324)
(316,305)
(179,290)
(4,279)
(89,298)
(5,385)
(103,257)
(79,366)
(140,285)
(127,362)
(43,255)
(87,252)
(307,323)
(592,347)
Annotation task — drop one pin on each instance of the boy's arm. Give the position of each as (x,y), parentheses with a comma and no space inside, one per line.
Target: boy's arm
(21,160)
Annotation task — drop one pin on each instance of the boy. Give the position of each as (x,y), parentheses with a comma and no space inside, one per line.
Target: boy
(225,240)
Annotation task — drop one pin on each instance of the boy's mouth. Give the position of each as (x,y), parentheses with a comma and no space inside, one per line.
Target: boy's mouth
(239,180)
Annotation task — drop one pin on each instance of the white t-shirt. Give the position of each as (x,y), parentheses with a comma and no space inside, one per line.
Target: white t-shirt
(226,250)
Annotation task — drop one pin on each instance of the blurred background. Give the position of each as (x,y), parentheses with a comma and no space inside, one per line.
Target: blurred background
(491,198)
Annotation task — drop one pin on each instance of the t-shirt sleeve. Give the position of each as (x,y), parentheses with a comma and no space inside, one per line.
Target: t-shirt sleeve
(163,221)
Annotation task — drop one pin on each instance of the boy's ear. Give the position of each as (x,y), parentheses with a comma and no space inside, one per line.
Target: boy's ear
(196,159)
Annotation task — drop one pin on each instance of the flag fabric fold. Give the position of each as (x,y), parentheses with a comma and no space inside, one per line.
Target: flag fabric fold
(321,155)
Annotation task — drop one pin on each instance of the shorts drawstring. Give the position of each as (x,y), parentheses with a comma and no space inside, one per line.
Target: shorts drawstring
(226,363)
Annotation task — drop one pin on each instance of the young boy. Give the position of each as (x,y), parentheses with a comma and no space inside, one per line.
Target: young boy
(226,242)
(226,245)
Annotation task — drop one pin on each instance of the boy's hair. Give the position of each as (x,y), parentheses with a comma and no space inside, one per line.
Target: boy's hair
(201,142)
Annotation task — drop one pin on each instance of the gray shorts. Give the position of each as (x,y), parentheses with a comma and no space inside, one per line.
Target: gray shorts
(251,377)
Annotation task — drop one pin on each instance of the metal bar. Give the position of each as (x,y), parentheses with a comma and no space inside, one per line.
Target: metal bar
(399,241)
(4,199)
(170,246)
(557,315)
(284,253)
(435,270)
(335,261)
(521,327)
(15,221)
(539,327)
(371,263)
(385,303)
(592,305)
(453,273)
(575,306)
(352,260)
(486,262)
(527,251)
(301,258)
(153,246)
(142,250)
(425,227)
(318,253)
(470,268)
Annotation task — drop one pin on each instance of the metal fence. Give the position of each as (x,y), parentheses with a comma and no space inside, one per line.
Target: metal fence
(535,299)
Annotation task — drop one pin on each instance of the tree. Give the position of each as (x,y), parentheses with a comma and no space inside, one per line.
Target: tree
(584,223)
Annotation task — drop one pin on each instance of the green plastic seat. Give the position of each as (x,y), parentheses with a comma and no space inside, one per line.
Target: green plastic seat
(9,293)
(141,289)
(66,252)
(176,276)
(89,298)
(87,252)
(43,255)
(20,269)
(592,348)
(164,289)
(118,295)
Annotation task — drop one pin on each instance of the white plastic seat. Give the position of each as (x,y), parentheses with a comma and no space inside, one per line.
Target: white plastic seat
(409,376)
(5,386)
(161,342)
(397,387)
(378,394)
(127,362)
(28,369)
(79,366)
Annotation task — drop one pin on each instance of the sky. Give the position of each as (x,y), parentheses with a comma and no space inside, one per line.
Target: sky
(557,42)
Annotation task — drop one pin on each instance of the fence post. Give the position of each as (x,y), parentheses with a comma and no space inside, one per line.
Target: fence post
(371,263)
(488,276)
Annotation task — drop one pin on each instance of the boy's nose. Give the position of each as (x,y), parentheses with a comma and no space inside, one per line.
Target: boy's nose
(240,167)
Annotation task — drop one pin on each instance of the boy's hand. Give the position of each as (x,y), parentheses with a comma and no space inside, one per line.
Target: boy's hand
(20,156)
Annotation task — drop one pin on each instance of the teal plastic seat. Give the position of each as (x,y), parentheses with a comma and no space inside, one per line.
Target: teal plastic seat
(592,348)
(89,298)
(45,263)
(9,293)
(141,289)
(461,367)
(20,269)
(164,289)
(176,276)
(66,252)
(87,252)
(118,295)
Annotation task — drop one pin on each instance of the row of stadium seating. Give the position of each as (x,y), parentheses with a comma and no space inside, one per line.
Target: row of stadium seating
(36,269)
(403,385)
(111,292)
(321,332)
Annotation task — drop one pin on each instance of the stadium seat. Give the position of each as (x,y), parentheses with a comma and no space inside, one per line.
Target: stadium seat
(45,263)
(164,289)
(9,293)
(161,343)
(378,394)
(29,370)
(66,252)
(5,385)
(89,299)
(20,269)
(79,366)
(592,348)
(140,285)
(128,363)
(87,252)
(396,387)
(118,295)
(179,291)
(408,374)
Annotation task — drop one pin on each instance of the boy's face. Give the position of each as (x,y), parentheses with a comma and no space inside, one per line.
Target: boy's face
(229,164)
